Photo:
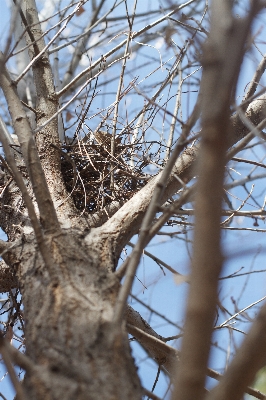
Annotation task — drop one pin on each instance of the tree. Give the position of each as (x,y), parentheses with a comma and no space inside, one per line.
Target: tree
(75,193)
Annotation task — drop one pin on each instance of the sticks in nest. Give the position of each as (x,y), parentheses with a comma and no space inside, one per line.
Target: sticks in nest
(86,170)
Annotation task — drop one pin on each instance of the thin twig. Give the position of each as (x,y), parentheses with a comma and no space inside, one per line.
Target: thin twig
(250,213)
(244,160)
(174,354)
(73,98)
(85,33)
(118,93)
(159,261)
(174,118)
(82,41)
(240,312)
(7,360)
(110,52)
(254,82)
(39,54)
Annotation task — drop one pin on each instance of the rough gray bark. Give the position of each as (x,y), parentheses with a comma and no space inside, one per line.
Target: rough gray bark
(73,350)
(68,324)
(76,313)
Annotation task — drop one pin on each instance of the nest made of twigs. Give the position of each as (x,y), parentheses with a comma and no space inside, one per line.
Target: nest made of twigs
(89,170)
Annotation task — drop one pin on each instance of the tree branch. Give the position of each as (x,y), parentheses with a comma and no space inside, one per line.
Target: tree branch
(46,106)
(127,220)
(29,151)
(82,42)
(222,56)
(255,80)
(16,356)
(112,51)
(250,357)
(167,357)
(13,377)
(28,202)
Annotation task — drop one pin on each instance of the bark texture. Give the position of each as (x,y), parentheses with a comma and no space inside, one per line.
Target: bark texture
(73,350)
(68,325)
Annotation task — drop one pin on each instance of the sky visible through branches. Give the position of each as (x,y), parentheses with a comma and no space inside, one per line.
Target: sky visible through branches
(159,297)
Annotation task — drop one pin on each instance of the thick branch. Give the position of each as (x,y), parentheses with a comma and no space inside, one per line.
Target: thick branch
(166,356)
(46,106)
(222,57)
(29,151)
(27,199)
(127,220)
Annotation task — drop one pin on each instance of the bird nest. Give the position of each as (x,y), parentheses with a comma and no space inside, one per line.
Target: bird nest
(95,178)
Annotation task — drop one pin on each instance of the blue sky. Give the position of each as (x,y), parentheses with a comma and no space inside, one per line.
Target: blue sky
(159,290)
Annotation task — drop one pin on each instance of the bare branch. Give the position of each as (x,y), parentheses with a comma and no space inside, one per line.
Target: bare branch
(6,357)
(217,88)
(82,41)
(249,359)
(16,356)
(37,42)
(118,93)
(167,356)
(29,204)
(112,51)
(23,131)
(255,81)
(5,132)
(126,221)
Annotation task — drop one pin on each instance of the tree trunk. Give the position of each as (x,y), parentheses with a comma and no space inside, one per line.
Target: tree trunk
(68,325)
(64,262)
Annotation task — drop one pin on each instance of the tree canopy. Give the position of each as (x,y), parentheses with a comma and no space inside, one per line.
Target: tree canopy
(133,199)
